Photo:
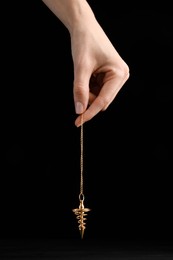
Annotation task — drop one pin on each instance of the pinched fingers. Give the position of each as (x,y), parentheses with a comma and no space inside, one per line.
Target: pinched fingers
(105,97)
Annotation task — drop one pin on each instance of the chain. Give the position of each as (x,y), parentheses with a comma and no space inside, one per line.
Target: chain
(81,157)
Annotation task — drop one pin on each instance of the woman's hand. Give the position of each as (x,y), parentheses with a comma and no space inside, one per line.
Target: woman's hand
(99,71)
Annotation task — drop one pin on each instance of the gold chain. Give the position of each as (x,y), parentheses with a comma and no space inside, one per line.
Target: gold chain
(81,157)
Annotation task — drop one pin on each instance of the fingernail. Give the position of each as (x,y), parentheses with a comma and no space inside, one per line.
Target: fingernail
(79,108)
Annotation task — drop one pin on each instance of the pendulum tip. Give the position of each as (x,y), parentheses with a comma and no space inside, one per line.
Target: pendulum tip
(82,233)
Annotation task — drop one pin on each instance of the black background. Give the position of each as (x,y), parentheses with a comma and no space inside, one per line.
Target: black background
(127,149)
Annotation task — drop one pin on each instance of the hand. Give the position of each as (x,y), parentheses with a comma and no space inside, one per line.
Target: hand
(99,71)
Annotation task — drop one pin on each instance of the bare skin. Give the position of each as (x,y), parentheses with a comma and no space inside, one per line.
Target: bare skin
(99,71)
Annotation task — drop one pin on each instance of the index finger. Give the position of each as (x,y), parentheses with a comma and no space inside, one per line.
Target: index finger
(107,94)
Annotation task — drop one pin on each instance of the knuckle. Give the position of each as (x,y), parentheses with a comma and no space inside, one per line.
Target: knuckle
(78,85)
(126,72)
(123,72)
(80,90)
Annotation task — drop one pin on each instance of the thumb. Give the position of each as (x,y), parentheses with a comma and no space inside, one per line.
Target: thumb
(81,90)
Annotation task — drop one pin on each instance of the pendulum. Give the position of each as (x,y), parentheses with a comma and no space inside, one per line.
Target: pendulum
(81,211)
(81,215)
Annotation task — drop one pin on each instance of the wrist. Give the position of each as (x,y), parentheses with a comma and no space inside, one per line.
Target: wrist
(72,13)
(79,16)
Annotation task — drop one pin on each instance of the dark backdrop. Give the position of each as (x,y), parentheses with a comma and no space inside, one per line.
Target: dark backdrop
(127,149)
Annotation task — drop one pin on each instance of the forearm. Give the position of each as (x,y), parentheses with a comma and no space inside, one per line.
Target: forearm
(70,12)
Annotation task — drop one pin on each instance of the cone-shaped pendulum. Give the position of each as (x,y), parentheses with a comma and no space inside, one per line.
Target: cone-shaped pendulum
(81,214)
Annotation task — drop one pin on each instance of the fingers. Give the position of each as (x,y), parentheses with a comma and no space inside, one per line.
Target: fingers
(104,98)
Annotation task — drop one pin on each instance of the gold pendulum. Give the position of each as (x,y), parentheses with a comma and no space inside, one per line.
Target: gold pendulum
(81,212)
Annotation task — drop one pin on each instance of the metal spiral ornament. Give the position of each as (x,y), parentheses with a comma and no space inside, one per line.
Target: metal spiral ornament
(81,214)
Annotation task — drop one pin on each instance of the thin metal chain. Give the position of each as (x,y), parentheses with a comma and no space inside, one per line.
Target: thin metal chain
(81,156)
